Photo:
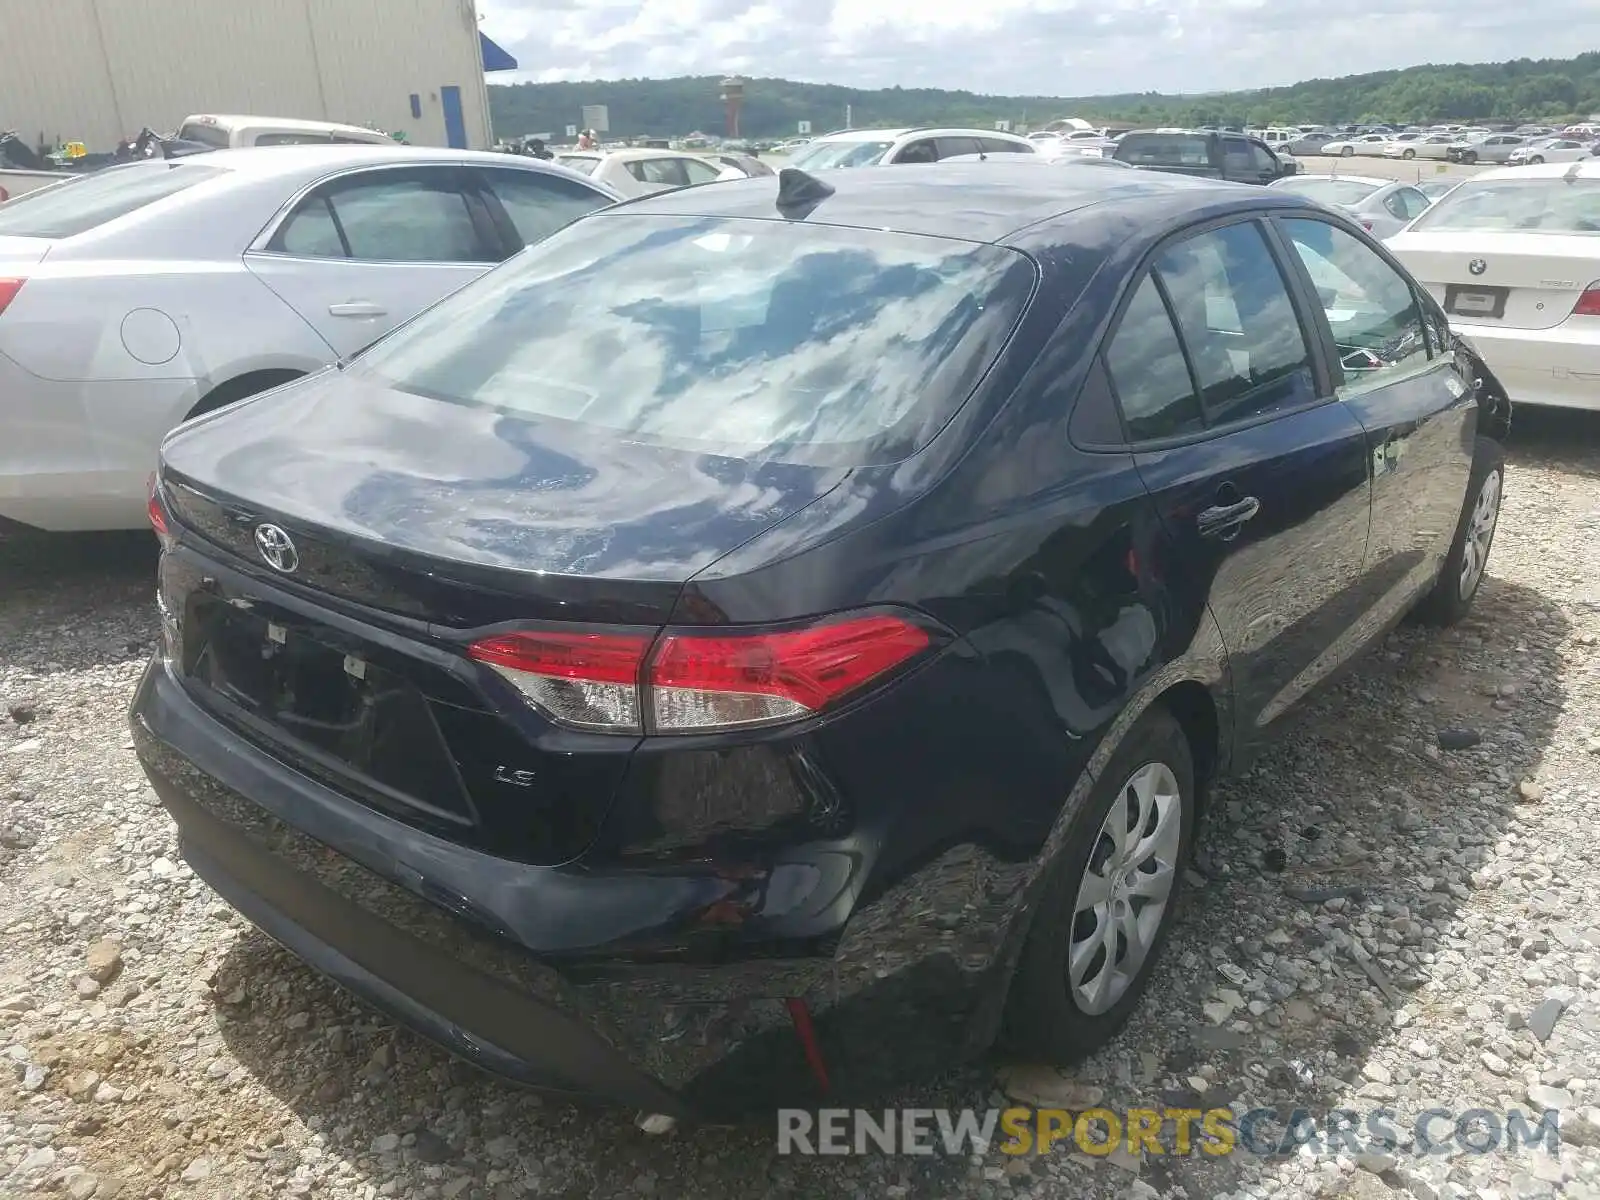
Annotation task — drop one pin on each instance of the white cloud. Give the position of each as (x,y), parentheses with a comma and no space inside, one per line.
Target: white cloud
(1025,47)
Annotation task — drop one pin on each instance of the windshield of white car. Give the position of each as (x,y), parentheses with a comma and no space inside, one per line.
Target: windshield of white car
(1550,205)
(578,162)
(80,205)
(840,154)
(1329,191)
(771,340)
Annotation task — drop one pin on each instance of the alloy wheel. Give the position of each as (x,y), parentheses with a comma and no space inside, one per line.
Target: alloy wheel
(1479,535)
(1127,883)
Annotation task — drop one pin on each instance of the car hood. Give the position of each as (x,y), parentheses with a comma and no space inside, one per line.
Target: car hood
(381,472)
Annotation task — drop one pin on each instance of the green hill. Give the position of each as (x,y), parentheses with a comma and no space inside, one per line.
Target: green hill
(1521,90)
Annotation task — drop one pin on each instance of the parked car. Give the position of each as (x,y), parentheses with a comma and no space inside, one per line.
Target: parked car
(1382,206)
(639,172)
(1230,156)
(1435,146)
(1495,148)
(1512,257)
(707,662)
(141,295)
(881,147)
(1360,144)
(1312,144)
(235,132)
(1554,149)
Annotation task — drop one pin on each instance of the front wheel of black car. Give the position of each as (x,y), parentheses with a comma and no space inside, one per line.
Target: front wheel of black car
(1462,575)
(1108,905)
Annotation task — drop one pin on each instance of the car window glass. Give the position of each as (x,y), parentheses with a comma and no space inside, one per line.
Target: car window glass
(1413,201)
(1176,149)
(1236,155)
(1000,146)
(924,151)
(949,147)
(539,204)
(78,205)
(311,232)
(1149,373)
(206,135)
(1395,205)
(667,172)
(1374,316)
(406,218)
(1237,323)
(699,172)
(1261,158)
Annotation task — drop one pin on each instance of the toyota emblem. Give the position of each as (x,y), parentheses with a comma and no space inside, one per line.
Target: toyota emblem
(1477,266)
(277,549)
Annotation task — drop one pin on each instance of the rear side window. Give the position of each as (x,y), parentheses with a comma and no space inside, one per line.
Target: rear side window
(699,171)
(1167,149)
(665,172)
(578,162)
(1149,372)
(1238,324)
(764,339)
(1001,146)
(1371,309)
(293,139)
(539,204)
(80,205)
(418,215)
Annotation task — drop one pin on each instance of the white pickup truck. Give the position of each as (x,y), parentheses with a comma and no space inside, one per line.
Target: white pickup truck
(218,132)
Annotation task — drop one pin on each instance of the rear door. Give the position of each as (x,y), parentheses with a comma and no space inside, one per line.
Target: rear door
(1260,475)
(1396,375)
(367,250)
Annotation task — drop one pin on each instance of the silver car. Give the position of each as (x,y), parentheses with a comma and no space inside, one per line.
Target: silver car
(139,296)
(1383,206)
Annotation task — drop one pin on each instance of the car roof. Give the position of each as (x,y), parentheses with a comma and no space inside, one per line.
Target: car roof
(633,153)
(288,124)
(980,201)
(1375,180)
(1583,168)
(864,135)
(289,160)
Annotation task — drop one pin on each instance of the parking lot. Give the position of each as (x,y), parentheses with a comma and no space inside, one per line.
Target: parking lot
(159,1046)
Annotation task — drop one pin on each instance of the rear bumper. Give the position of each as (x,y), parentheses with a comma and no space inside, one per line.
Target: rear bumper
(896,1000)
(1558,368)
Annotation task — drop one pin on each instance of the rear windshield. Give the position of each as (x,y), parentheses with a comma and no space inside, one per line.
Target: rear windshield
(761,339)
(1168,149)
(1548,205)
(206,134)
(80,205)
(844,153)
(1330,191)
(578,162)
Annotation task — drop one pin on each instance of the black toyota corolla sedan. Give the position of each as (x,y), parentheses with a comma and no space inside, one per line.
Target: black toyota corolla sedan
(774,639)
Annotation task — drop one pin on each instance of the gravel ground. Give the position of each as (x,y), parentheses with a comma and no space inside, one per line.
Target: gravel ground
(157,1046)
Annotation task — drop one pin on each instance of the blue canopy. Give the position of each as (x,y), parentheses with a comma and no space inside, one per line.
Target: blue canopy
(495,57)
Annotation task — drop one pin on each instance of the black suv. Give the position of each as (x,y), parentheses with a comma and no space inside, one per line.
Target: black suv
(1206,153)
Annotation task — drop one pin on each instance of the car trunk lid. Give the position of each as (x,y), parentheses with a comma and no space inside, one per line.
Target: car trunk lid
(1519,281)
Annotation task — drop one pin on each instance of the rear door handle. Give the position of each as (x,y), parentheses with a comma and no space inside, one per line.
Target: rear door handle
(1224,520)
(357,308)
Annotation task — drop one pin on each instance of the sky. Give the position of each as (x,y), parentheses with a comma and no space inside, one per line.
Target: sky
(1026,47)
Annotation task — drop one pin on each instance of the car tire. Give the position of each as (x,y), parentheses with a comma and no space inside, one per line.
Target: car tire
(1409,154)
(1470,157)
(1049,1016)
(1464,567)
(1347,152)
(1537,158)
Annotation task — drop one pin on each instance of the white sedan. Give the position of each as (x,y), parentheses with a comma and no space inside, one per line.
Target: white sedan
(1366,143)
(1435,145)
(643,172)
(1513,256)
(138,296)
(1552,149)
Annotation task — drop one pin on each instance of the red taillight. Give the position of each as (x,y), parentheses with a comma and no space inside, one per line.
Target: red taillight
(1366,224)
(699,682)
(716,681)
(8,291)
(158,512)
(1588,304)
(589,680)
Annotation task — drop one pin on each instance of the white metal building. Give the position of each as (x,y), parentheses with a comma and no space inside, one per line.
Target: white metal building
(95,71)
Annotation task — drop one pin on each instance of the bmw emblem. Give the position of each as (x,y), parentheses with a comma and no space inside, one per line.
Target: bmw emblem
(1477,266)
(277,549)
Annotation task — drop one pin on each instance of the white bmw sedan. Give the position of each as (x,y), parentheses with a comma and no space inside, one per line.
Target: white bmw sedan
(139,296)
(1513,255)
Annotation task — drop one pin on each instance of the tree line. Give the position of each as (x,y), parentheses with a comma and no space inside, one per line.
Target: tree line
(1521,90)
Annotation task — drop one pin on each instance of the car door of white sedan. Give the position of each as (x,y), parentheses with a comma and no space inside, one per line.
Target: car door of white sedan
(362,252)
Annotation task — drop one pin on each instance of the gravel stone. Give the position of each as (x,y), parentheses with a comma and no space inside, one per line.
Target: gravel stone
(1424,941)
